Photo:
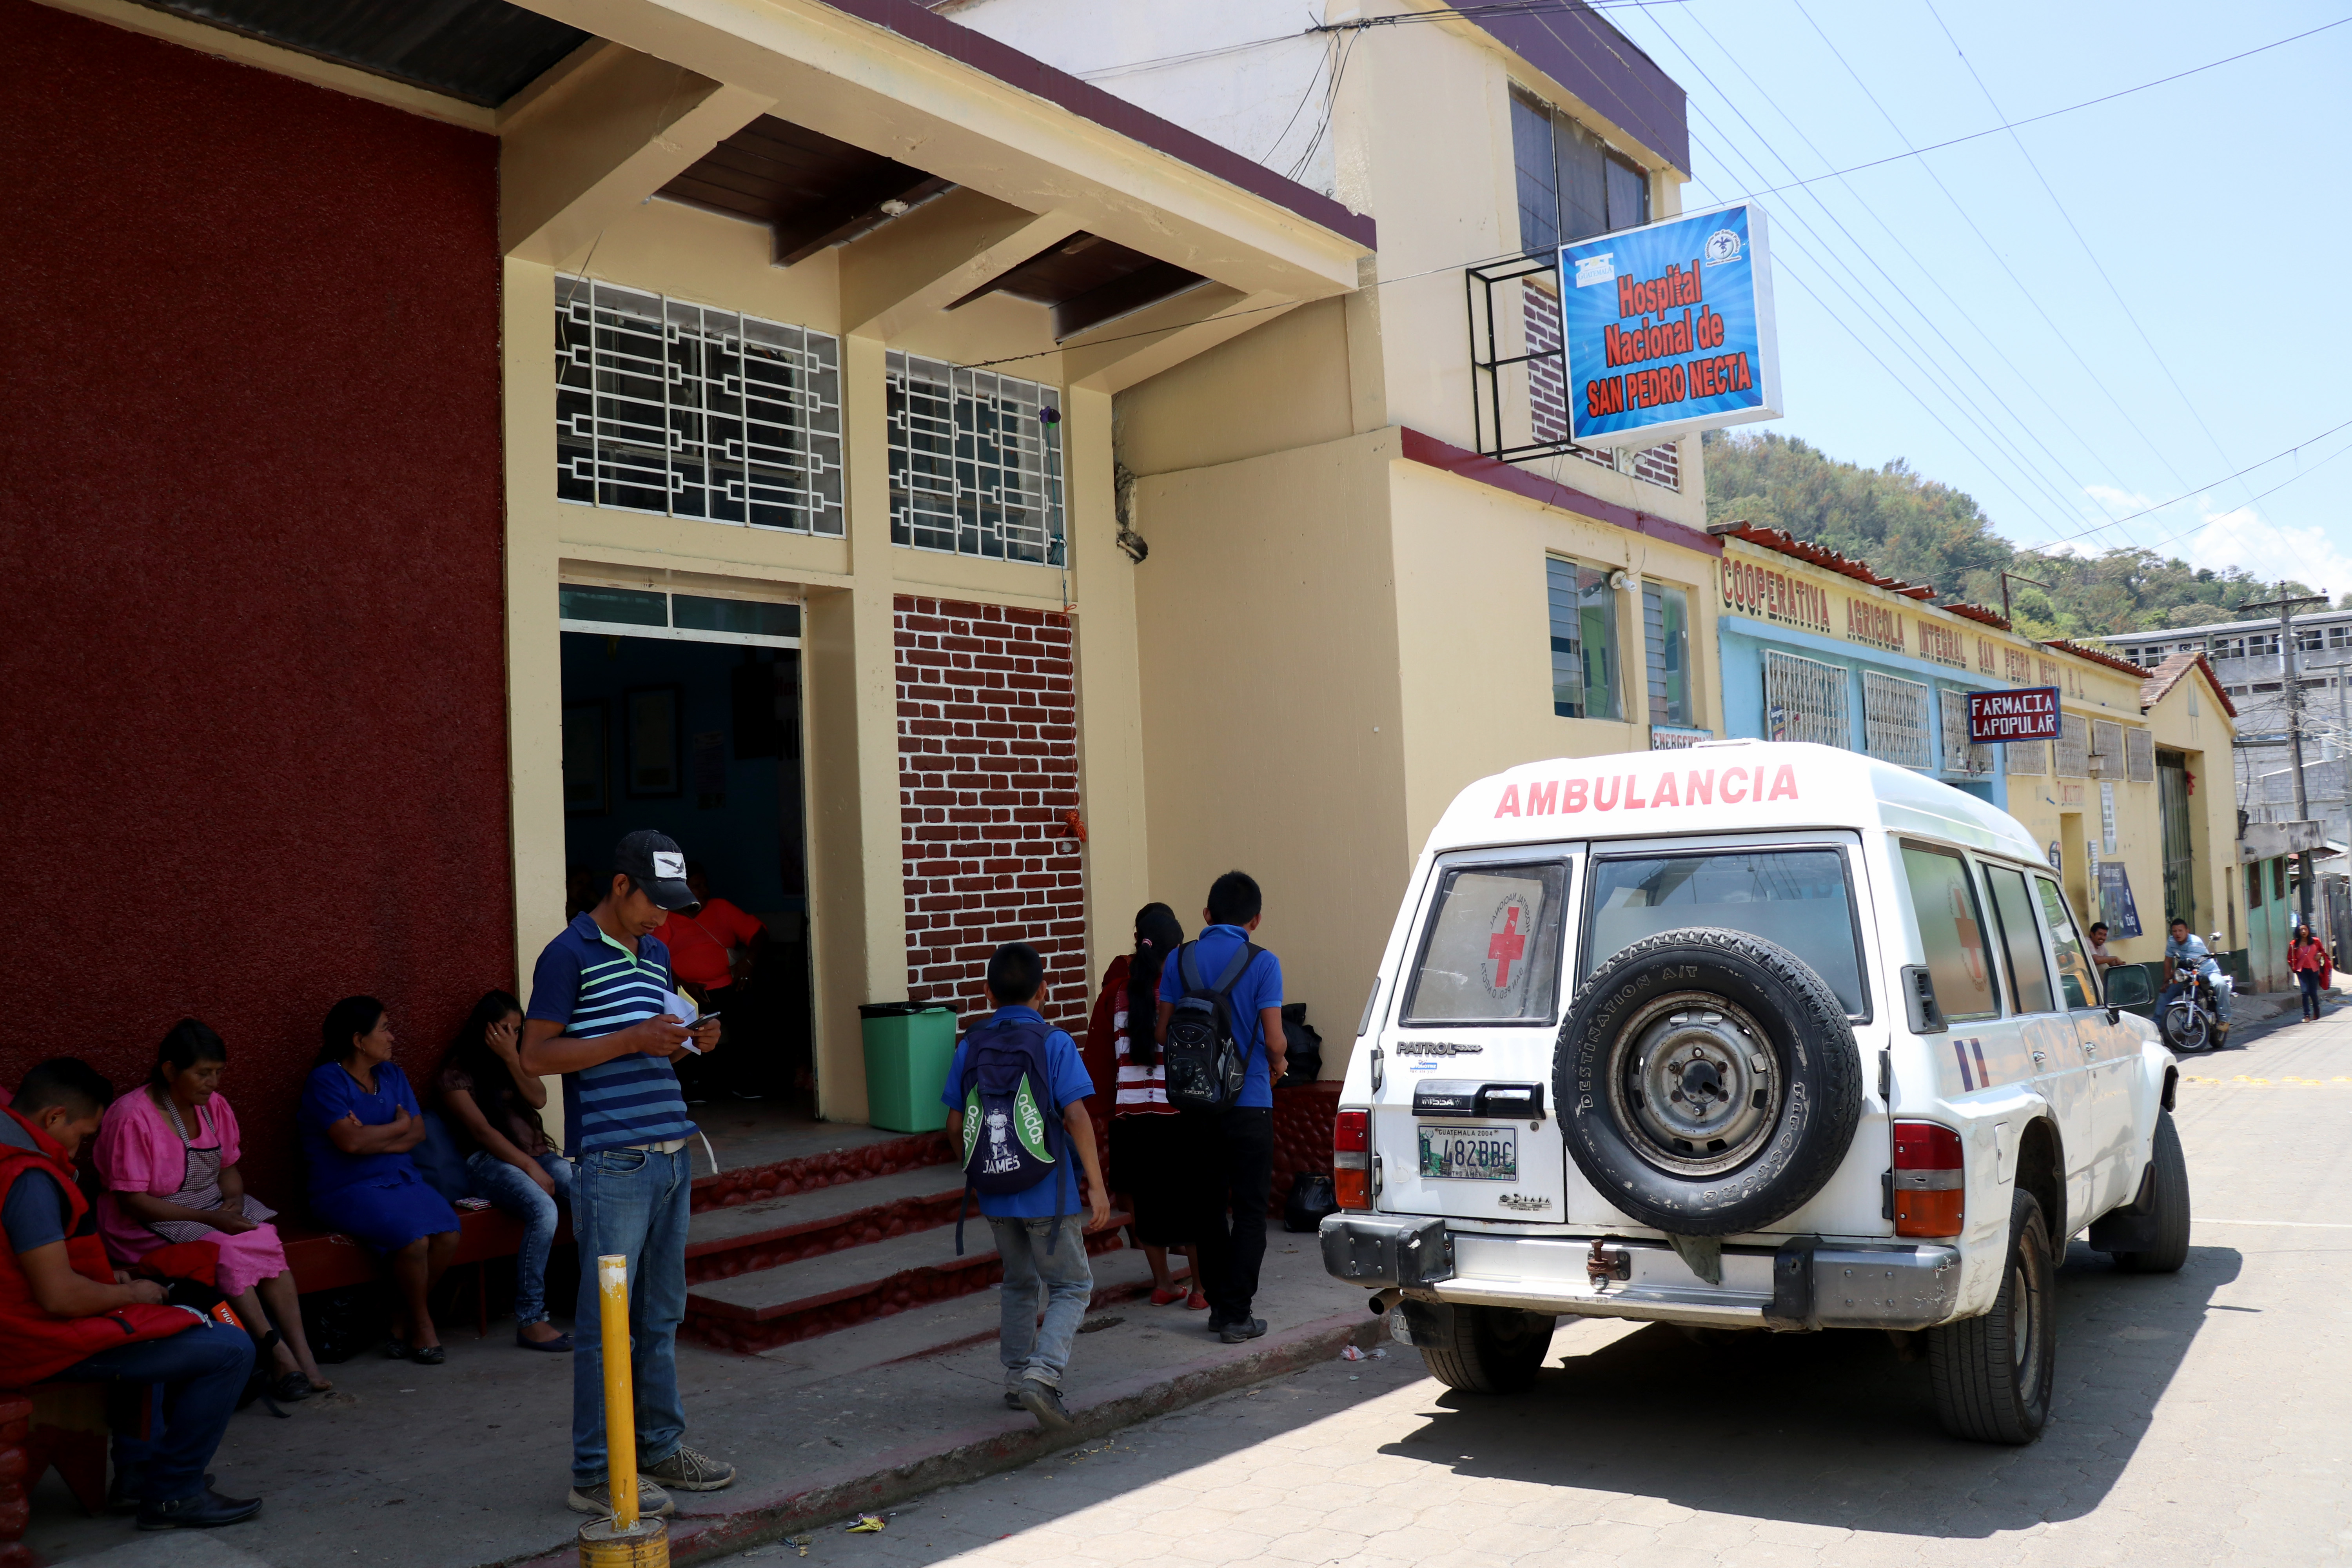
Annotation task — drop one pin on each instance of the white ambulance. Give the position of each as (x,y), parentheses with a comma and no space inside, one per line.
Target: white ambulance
(1747,1036)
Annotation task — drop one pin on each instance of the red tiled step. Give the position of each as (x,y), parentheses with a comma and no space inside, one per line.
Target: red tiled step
(768,1232)
(805,1172)
(770,1307)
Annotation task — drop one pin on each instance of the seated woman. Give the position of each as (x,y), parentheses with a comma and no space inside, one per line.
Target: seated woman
(168,1154)
(492,1108)
(359,1120)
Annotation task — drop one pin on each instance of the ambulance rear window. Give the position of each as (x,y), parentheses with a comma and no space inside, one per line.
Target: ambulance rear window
(1490,953)
(1798,898)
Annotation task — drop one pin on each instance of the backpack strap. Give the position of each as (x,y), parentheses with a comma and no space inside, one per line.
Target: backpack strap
(1188,968)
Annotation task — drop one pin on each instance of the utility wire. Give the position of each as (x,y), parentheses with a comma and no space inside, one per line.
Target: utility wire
(2096,266)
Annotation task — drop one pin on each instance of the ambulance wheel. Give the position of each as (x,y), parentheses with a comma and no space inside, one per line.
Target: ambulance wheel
(1707,1081)
(1485,1350)
(2171,1197)
(1993,1374)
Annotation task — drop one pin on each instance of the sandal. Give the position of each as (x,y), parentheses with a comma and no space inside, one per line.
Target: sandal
(292,1386)
(1161,1296)
(395,1348)
(428,1355)
(1196,1303)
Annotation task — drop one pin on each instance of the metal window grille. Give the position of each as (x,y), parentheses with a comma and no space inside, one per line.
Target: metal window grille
(975,466)
(1960,756)
(2026,757)
(1805,699)
(2106,748)
(2139,756)
(1895,720)
(666,407)
(2073,746)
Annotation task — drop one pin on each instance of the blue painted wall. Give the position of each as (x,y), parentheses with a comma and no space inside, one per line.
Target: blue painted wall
(1740,643)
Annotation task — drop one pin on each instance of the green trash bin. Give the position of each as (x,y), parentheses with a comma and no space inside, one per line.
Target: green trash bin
(907,1047)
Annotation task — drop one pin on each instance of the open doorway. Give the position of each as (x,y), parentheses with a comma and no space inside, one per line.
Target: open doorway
(682,713)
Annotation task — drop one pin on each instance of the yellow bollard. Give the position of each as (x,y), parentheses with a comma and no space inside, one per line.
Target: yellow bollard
(623,1541)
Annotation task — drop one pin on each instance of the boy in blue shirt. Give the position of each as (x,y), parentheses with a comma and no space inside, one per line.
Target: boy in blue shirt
(1040,1255)
(1241,1134)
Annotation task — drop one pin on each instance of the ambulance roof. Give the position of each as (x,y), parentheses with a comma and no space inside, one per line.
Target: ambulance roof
(1719,787)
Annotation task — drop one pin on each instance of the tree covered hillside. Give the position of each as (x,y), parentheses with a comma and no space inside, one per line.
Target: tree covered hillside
(1917,529)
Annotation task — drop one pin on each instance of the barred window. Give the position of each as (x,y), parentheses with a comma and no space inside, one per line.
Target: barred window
(666,407)
(1895,720)
(1960,756)
(1805,699)
(2026,757)
(2139,754)
(2073,746)
(975,462)
(2108,745)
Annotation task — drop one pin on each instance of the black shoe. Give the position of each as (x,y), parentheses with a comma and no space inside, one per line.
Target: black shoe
(123,1492)
(205,1510)
(1241,1329)
(1216,1323)
(428,1355)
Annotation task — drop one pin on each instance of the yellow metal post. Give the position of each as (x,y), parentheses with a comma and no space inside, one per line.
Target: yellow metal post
(623,1541)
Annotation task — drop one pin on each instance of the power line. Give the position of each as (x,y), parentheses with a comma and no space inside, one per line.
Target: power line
(2096,266)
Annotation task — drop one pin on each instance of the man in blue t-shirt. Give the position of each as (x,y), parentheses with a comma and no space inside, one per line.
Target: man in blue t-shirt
(2185,953)
(1229,1251)
(1040,1255)
(602,1014)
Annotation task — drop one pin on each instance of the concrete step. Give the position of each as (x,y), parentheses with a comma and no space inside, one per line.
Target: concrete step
(789,1228)
(761,1308)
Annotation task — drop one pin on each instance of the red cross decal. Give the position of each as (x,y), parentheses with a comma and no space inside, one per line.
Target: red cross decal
(1506,946)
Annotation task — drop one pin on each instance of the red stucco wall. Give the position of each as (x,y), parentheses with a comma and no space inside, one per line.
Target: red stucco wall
(250,597)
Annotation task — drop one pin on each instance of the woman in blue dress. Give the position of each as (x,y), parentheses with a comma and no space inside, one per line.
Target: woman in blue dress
(359,1120)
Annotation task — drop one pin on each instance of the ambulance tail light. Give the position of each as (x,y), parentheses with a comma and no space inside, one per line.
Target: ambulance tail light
(1929,1180)
(1351,1159)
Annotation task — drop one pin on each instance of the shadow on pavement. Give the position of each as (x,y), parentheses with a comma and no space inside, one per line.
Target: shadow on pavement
(1834,1428)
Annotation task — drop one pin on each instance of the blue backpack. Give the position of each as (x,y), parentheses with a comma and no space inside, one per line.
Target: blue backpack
(1012,1136)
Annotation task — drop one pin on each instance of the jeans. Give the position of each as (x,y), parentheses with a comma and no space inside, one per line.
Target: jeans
(2309,980)
(520,1197)
(1063,1277)
(1239,1141)
(633,1202)
(202,1370)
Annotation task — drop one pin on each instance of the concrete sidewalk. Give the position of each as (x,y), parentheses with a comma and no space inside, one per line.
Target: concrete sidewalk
(467,1464)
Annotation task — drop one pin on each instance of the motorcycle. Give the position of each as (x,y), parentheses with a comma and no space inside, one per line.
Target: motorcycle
(2192,1021)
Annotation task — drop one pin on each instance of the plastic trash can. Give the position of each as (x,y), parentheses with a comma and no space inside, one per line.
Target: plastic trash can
(907,1047)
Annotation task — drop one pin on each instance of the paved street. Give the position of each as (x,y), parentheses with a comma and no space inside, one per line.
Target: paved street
(2202,1418)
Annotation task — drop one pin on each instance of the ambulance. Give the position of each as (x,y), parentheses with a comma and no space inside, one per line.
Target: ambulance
(1748,1036)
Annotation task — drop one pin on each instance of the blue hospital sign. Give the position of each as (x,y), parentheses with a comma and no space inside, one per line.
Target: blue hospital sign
(1669,328)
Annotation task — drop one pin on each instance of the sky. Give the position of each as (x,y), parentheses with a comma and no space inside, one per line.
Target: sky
(2108,311)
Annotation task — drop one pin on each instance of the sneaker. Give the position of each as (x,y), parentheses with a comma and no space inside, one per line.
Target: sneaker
(1013,1400)
(1044,1401)
(597,1500)
(205,1510)
(688,1471)
(1241,1329)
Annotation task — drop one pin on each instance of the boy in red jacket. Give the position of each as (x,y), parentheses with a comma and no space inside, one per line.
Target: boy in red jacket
(65,1313)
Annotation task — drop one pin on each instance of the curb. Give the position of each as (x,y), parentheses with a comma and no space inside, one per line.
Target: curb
(898,1474)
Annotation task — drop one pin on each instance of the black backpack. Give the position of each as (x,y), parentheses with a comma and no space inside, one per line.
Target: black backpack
(1205,1068)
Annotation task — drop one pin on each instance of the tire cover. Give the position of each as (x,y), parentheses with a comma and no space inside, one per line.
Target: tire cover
(1811,1084)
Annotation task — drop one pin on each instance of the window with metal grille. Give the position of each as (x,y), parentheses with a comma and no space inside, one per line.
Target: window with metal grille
(666,407)
(1960,756)
(2107,746)
(2025,757)
(975,462)
(2073,746)
(1895,720)
(1805,699)
(2139,756)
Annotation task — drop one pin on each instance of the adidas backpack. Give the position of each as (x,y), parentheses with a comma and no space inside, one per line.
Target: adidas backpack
(1205,1067)
(1013,1137)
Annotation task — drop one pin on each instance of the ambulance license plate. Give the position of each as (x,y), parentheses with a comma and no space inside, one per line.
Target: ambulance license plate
(1470,1154)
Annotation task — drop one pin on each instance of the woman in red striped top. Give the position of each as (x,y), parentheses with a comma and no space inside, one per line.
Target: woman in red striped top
(1150,1161)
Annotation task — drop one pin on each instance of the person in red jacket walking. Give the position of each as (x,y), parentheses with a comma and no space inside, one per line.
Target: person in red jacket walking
(2308,960)
(66,1314)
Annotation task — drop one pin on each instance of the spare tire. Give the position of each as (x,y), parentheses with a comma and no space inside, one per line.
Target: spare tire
(1707,1082)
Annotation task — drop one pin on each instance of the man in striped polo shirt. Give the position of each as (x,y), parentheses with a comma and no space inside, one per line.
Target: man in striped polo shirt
(600,1014)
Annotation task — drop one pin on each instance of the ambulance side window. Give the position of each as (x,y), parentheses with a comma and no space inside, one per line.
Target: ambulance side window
(2028,973)
(1490,951)
(1951,933)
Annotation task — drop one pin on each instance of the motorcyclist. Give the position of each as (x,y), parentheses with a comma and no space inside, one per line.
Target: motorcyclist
(2186,954)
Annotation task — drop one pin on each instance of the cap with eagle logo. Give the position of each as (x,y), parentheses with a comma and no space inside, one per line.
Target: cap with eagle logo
(657,865)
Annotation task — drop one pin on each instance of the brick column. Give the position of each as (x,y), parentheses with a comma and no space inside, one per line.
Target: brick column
(988,775)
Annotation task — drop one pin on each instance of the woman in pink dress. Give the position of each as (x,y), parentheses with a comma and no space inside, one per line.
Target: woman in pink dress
(167,1152)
